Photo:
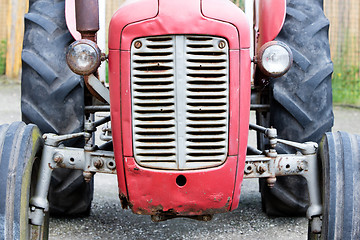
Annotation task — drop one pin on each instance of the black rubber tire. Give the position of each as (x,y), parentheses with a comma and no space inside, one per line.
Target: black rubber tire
(301,104)
(53,97)
(20,152)
(340,157)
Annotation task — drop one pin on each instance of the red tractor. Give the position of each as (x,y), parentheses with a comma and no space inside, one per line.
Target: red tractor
(183,78)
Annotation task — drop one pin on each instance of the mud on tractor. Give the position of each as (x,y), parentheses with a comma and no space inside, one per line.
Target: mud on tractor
(183,78)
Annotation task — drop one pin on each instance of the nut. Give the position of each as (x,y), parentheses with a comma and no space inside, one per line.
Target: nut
(58,158)
(99,163)
(261,168)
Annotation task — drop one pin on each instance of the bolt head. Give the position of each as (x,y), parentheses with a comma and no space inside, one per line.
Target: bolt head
(58,158)
(222,44)
(99,163)
(137,44)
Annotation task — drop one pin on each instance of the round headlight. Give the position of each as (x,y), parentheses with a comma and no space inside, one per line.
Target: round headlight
(83,57)
(274,59)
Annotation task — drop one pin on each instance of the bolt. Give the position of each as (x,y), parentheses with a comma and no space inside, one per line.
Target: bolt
(222,44)
(262,168)
(58,158)
(87,176)
(137,44)
(99,163)
(271,181)
(301,166)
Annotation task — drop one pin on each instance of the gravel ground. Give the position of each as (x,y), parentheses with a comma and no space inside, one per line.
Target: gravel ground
(109,221)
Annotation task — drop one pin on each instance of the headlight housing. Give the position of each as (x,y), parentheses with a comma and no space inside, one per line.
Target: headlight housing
(83,57)
(274,59)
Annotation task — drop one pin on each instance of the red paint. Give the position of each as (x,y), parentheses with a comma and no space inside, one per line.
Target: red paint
(271,19)
(245,93)
(177,17)
(207,191)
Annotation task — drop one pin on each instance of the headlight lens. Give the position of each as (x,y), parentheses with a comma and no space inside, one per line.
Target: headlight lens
(83,57)
(274,59)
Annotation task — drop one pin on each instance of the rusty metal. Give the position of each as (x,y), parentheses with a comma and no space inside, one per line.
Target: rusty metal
(87,18)
(164,217)
(99,163)
(58,158)
(80,49)
(137,44)
(88,176)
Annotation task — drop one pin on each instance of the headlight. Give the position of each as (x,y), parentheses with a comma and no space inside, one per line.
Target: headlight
(274,59)
(83,57)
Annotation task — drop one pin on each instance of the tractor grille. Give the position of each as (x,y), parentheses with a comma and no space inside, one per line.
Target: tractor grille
(180,101)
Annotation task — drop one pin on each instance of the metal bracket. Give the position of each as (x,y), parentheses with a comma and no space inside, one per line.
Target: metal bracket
(304,164)
(99,87)
(53,157)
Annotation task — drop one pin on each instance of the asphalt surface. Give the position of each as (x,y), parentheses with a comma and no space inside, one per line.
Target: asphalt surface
(108,221)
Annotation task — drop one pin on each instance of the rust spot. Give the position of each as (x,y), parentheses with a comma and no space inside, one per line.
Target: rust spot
(125,204)
(228,202)
(136,169)
(50,166)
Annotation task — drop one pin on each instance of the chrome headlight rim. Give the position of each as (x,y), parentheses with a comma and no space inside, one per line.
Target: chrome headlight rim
(267,47)
(71,57)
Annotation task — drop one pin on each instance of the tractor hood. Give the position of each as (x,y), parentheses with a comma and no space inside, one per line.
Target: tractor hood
(164,17)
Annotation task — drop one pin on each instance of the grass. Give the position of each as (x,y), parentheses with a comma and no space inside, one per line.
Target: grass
(2,56)
(239,3)
(346,83)
(346,76)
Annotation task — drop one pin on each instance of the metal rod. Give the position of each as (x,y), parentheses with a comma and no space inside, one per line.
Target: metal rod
(102,121)
(260,107)
(257,128)
(87,18)
(93,109)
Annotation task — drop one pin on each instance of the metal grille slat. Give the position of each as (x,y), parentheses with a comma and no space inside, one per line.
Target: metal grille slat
(180,91)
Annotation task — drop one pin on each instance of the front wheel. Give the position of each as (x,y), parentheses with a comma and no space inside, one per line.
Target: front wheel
(301,102)
(20,154)
(340,157)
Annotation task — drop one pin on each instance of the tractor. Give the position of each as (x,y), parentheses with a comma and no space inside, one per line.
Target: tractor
(183,77)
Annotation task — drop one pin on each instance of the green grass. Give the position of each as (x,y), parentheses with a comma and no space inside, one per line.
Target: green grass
(346,76)
(2,57)
(240,3)
(346,83)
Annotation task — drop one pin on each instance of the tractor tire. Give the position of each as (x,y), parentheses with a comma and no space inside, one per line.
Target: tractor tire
(20,154)
(301,102)
(53,97)
(340,157)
